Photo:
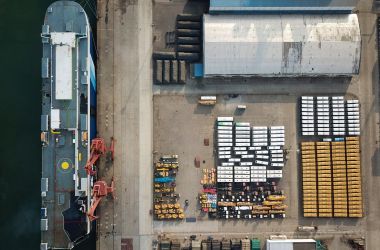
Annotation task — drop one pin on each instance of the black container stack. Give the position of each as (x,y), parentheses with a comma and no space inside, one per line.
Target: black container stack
(189,34)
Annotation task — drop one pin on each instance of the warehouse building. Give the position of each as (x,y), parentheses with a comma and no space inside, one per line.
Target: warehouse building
(281,45)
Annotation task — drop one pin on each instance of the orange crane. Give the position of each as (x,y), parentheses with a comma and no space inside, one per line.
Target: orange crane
(99,191)
(98,148)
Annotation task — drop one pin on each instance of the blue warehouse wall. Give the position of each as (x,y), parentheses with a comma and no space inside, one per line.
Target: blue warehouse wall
(281,6)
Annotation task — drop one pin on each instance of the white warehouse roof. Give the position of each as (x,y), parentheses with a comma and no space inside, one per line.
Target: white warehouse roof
(281,45)
(291,244)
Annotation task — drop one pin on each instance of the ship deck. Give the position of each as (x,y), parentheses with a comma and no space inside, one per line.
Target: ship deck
(65,124)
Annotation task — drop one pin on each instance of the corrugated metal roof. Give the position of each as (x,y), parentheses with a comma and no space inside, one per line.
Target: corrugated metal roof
(281,45)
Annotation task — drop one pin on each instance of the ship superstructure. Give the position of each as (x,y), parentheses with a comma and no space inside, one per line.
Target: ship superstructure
(67,125)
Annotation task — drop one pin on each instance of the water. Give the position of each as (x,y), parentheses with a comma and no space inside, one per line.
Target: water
(20,152)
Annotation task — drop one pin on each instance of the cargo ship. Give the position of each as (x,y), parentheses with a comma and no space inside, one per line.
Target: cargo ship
(67,125)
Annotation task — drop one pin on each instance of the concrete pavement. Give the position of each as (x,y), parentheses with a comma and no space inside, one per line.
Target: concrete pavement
(125,104)
(125,111)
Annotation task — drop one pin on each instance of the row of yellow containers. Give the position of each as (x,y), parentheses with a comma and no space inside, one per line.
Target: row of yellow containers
(310,198)
(324,167)
(307,150)
(352,143)
(353,158)
(338,151)
(308,156)
(309,168)
(324,175)
(309,183)
(323,155)
(310,160)
(340,201)
(355,153)
(340,180)
(339,186)
(326,148)
(310,174)
(308,164)
(309,186)
(352,146)
(339,163)
(353,164)
(336,214)
(310,206)
(310,192)
(319,143)
(325,214)
(324,195)
(308,171)
(323,163)
(339,172)
(322,189)
(310,214)
(323,160)
(352,138)
(339,167)
(355,212)
(353,167)
(308,143)
(338,148)
(322,179)
(354,190)
(310,202)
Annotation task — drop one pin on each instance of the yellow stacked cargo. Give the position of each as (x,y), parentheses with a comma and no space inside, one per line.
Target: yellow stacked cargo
(309,156)
(339,179)
(324,179)
(324,163)
(307,148)
(326,167)
(325,147)
(354,188)
(353,152)
(324,176)
(309,179)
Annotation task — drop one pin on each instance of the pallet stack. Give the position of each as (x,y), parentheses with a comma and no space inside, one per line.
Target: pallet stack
(188,37)
(339,179)
(168,70)
(259,136)
(339,126)
(331,116)
(324,179)
(323,115)
(307,115)
(277,138)
(354,177)
(353,119)
(309,177)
